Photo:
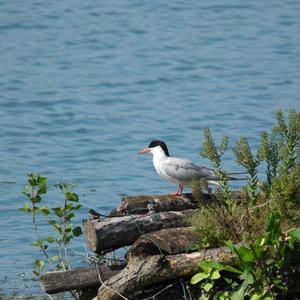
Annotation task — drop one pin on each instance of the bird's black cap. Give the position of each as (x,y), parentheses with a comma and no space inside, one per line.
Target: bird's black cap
(161,144)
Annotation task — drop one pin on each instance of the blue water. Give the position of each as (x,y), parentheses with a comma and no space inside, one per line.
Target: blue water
(84,85)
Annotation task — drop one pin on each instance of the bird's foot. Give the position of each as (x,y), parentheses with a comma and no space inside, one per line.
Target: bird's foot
(178,192)
(175,193)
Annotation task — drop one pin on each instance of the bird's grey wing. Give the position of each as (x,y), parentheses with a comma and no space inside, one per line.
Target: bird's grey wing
(185,170)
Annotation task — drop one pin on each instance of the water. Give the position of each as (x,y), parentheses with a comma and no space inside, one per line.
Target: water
(85,85)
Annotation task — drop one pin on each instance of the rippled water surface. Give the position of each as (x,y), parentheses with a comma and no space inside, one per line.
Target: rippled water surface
(84,85)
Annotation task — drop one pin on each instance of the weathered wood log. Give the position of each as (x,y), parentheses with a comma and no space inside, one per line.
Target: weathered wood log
(166,241)
(145,203)
(153,269)
(77,279)
(112,233)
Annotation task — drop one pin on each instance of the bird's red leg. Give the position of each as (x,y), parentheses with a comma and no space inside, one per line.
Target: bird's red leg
(178,192)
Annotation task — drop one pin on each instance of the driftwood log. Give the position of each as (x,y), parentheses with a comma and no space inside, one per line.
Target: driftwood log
(145,203)
(165,241)
(153,269)
(112,233)
(77,279)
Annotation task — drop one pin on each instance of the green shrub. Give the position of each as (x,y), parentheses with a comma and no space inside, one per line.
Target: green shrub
(269,207)
(59,218)
(264,270)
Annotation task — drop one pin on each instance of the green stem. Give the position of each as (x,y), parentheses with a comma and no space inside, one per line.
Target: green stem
(36,227)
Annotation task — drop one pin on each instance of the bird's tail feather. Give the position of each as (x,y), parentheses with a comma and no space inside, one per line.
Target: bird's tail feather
(236,173)
(237,178)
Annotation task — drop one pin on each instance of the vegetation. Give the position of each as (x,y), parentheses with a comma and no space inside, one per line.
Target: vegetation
(59,218)
(265,221)
(264,269)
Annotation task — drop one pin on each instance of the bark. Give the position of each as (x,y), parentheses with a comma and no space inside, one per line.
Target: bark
(154,269)
(77,279)
(112,233)
(166,241)
(145,203)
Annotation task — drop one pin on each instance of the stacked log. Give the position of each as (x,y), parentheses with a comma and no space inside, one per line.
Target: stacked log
(161,242)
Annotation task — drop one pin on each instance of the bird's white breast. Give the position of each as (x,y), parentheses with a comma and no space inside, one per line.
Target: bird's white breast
(159,164)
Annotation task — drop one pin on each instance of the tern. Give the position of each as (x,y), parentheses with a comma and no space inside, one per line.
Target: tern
(178,170)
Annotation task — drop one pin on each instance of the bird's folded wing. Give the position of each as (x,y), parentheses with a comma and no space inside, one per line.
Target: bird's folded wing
(185,170)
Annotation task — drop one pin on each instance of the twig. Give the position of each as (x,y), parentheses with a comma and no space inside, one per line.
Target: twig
(261,205)
(183,288)
(105,286)
(159,292)
(147,237)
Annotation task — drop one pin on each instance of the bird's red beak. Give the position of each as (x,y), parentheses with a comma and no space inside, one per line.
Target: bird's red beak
(145,150)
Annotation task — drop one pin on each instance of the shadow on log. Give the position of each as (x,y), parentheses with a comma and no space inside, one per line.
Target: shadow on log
(112,233)
(165,241)
(140,273)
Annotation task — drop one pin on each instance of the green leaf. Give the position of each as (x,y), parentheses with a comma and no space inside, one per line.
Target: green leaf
(295,233)
(233,248)
(273,228)
(42,189)
(27,190)
(199,277)
(26,208)
(36,273)
(245,254)
(50,239)
(45,210)
(208,286)
(77,231)
(38,243)
(77,207)
(55,258)
(52,222)
(208,265)
(239,294)
(69,216)
(57,228)
(70,196)
(59,211)
(42,180)
(247,277)
(215,275)
(256,296)
(36,199)
(232,269)
(39,263)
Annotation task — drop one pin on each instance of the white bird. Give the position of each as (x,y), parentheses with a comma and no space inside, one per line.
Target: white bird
(178,170)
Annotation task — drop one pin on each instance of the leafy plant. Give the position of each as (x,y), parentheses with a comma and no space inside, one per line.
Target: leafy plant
(265,263)
(288,134)
(58,217)
(269,152)
(210,151)
(245,158)
(260,270)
